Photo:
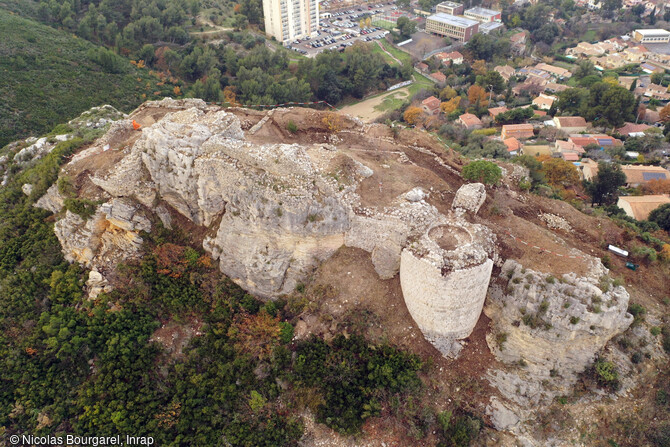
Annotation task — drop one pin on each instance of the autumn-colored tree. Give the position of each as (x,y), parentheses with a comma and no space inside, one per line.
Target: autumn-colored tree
(447,93)
(368,22)
(229,95)
(450,106)
(611,81)
(237,8)
(333,122)
(174,260)
(477,95)
(560,173)
(479,67)
(665,252)
(657,186)
(170,416)
(256,335)
(361,24)
(413,115)
(665,114)
(176,90)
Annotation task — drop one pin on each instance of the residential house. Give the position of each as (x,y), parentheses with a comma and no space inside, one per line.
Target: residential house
(651,68)
(600,140)
(639,207)
(470,121)
(544,102)
(570,124)
(431,105)
(513,146)
(609,61)
(660,59)
(637,175)
(422,67)
(532,85)
(555,88)
(588,168)
(439,77)
(518,38)
(495,111)
(518,41)
(534,72)
(453,58)
(562,147)
(585,49)
(657,92)
(632,130)
(505,71)
(651,116)
(519,131)
(570,156)
(627,81)
(558,72)
(635,55)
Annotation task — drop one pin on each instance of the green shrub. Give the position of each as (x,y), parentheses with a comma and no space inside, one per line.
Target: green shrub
(83,207)
(574,320)
(638,312)
(292,127)
(646,253)
(606,375)
(607,261)
(482,171)
(486,132)
(286,332)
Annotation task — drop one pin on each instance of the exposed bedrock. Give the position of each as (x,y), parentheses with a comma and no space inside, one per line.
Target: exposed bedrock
(554,326)
(273,211)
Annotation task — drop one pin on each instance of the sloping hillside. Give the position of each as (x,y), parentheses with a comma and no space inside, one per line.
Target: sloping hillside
(48,76)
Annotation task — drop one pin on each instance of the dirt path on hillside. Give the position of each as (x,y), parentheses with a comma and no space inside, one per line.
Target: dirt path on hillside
(366,109)
(390,55)
(207,22)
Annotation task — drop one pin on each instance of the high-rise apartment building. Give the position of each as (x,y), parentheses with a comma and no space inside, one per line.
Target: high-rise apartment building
(288,20)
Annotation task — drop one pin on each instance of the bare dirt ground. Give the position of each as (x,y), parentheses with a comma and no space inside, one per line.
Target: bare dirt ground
(367,111)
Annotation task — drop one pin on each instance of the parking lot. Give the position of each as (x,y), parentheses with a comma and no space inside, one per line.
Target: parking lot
(342,30)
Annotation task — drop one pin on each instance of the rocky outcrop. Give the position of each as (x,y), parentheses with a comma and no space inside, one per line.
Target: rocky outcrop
(469,197)
(274,211)
(554,327)
(51,201)
(111,235)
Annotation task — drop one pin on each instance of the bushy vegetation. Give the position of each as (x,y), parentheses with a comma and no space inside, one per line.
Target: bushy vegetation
(47,75)
(482,171)
(96,367)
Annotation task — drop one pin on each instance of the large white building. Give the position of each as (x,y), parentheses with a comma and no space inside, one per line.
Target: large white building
(288,20)
(651,36)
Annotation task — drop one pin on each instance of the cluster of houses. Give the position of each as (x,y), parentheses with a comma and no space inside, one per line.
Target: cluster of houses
(520,139)
(540,78)
(625,50)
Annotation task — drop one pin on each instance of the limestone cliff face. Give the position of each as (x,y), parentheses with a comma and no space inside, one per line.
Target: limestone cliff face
(273,211)
(555,325)
(111,235)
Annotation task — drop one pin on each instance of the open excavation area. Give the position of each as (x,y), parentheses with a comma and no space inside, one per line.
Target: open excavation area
(502,294)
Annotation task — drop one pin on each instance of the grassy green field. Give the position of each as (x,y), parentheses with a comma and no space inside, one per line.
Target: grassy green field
(47,77)
(402,56)
(386,24)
